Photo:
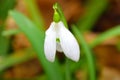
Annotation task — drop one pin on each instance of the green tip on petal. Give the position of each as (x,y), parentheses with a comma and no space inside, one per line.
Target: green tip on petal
(57,40)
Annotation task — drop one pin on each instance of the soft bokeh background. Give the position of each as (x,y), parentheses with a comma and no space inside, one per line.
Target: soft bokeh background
(19,61)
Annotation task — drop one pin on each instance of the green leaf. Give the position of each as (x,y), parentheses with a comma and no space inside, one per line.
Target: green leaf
(10,32)
(14,58)
(106,35)
(87,51)
(4,43)
(36,38)
(35,13)
(93,12)
(5,6)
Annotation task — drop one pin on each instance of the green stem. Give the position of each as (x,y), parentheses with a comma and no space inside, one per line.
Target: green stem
(87,51)
(68,73)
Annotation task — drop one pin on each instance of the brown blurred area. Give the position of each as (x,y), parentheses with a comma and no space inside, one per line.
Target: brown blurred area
(110,18)
(72,9)
(107,55)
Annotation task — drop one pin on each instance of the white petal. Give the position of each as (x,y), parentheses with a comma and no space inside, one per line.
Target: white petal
(68,43)
(58,47)
(50,43)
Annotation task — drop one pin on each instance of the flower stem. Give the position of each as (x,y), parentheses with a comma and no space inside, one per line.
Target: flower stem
(68,73)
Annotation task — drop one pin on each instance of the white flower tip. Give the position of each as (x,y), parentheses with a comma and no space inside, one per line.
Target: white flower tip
(75,57)
(49,53)
(50,59)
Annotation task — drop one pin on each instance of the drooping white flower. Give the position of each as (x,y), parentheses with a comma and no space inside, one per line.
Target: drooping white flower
(66,44)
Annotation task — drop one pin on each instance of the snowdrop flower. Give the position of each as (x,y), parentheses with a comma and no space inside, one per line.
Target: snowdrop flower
(59,38)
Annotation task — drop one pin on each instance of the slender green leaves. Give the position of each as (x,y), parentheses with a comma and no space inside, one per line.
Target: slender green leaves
(14,58)
(93,12)
(36,38)
(35,14)
(5,5)
(106,35)
(10,32)
(4,43)
(87,51)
